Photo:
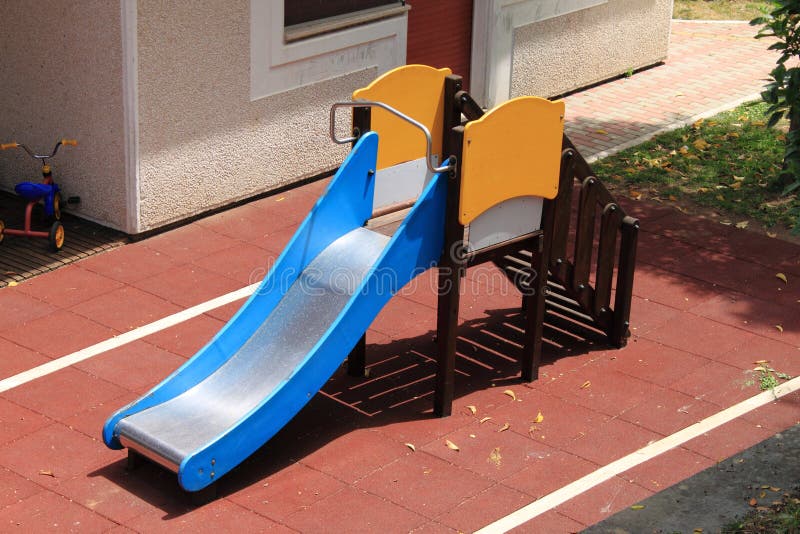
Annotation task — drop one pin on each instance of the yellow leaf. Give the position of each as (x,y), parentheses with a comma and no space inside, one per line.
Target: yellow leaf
(732,135)
(703,190)
(735,185)
(742,224)
(700,144)
(411,446)
(761,362)
(472,409)
(280,199)
(47,473)
(673,198)
(779,328)
(483,420)
(503,428)
(635,195)
(586,384)
(12,284)
(637,507)
(772,234)
(720,197)
(782,278)
(759,123)
(495,457)
(684,150)
(698,531)
(601,132)
(738,178)
(510,394)
(539,418)
(698,123)
(451,445)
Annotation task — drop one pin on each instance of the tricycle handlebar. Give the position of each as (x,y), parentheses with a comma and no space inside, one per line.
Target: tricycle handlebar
(32,154)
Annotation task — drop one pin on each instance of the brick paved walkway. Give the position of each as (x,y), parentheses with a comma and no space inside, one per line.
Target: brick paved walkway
(706,302)
(711,67)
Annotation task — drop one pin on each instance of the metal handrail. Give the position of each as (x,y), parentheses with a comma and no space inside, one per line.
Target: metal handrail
(370,104)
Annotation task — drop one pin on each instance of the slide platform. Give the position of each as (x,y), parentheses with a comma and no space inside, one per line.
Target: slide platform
(287,340)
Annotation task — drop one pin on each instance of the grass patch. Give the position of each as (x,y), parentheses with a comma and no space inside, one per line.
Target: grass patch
(782,516)
(720,9)
(729,164)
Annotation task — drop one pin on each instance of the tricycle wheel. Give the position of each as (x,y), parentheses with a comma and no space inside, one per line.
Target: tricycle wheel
(56,237)
(57,206)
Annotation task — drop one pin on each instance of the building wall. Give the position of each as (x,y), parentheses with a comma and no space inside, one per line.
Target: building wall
(202,142)
(60,76)
(564,53)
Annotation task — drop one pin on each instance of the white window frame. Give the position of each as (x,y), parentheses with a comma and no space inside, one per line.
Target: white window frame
(494,23)
(276,66)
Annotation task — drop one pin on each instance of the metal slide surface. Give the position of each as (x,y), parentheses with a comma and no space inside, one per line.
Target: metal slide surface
(290,336)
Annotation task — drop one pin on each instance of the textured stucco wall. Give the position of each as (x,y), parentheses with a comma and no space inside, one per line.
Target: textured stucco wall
(60,76)
(557,55)
(202,142)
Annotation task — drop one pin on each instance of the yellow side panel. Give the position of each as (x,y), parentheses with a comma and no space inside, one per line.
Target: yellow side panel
(512,151)
(417,91)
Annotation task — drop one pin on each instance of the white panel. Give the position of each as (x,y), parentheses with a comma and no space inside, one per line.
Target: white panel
(401,182)
(507,220)
(130,103)
(276,66)
(493,25)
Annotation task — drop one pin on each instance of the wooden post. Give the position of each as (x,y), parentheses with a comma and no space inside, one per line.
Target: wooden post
(357,359)
(451,270)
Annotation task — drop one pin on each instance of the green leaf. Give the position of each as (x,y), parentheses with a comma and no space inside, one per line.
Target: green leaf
(774,119)
(791,187)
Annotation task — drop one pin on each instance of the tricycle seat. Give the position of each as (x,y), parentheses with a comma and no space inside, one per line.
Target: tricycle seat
(32,192)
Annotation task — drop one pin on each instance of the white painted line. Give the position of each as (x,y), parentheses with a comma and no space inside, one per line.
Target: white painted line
(123,339)
(560,496)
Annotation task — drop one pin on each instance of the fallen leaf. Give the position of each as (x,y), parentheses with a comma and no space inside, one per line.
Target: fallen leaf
(736,185)
(742,224)
(637,507)
(503,428)
(411,446)
(698,531)
(472,409)
(601,132)
(696,125)
(451,445)
(684,150)
(495,457)
(772,234)
(12,283)
(732,135)
(753,502)
(539,418)
(279,199)
(484,419)
(761,362)
(473,436)
(47,473)
(510,394)
(673,198)
(738,178)
(779,328)
(782,278)
(700,144)
(586,384)
(635,195)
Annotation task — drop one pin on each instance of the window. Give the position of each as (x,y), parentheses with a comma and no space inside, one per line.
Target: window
(300,11)
(278,64)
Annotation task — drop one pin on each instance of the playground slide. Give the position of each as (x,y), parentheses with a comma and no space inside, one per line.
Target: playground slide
(288,339)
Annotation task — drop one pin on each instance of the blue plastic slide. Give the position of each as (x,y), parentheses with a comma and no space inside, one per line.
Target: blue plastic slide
(288,339)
